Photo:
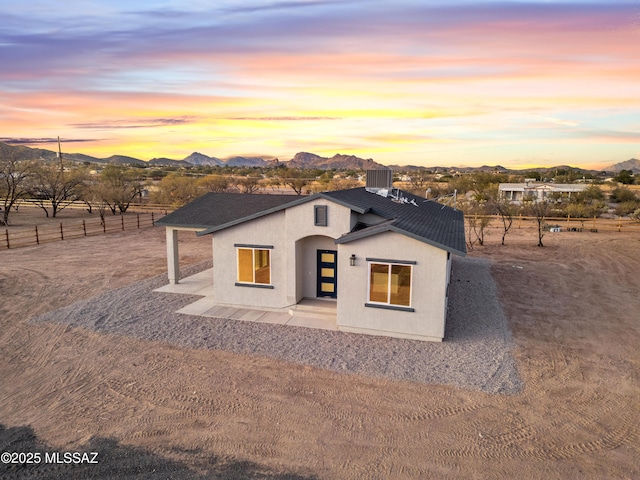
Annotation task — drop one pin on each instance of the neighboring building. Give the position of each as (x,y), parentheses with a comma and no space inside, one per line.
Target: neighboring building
(531,190)
(383,255)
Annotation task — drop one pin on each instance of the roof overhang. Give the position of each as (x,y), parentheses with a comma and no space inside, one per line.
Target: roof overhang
(389,226)
(208,230)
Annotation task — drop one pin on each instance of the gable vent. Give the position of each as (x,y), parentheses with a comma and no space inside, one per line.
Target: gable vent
(320,215)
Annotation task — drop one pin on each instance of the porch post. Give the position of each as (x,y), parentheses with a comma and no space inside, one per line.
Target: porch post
(173,267)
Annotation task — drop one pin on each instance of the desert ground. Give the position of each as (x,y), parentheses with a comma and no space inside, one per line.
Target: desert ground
(154,410)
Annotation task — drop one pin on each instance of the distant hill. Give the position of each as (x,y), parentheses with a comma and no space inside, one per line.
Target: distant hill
(197,158)
(20,152)
(166,162)
(120,160)
(300,160)
(338,161)
(246,162)
(632,164)
(488,169)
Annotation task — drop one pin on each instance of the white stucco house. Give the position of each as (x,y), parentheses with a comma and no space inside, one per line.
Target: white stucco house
(535,191)
(382,255)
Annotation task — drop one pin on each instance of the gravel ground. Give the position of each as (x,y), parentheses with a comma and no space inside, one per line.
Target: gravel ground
(475,354)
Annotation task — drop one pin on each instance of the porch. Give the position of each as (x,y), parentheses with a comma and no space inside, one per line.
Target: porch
(309,312)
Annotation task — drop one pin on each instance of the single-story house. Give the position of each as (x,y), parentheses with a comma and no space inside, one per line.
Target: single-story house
(531,190)
(382,254)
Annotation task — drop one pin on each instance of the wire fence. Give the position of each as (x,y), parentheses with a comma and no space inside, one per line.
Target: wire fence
(81,228)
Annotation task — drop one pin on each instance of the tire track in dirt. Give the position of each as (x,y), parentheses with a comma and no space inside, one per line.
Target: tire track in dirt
(187,404)
(611,424)
(437,413)
(23,285)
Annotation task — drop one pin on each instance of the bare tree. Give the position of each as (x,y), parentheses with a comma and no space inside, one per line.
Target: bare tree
(54,187)
(214,183)
(13,179)
(95,196)
(476,214)
(248,184)
(540,210)
(420,180)
(506,210)
(120,187)
(296,179)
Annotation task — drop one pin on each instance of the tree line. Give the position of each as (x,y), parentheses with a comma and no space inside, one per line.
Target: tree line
(53,186)
(112,188)
(479,197)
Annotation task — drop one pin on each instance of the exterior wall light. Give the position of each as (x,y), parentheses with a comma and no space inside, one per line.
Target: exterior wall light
(352,260)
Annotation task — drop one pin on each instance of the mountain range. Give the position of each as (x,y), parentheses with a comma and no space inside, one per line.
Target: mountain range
(300,160)
(632,164)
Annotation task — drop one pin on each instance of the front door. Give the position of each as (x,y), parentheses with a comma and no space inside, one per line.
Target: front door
(327,273)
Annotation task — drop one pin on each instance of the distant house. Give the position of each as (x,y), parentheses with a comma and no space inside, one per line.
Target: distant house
(382,255)
(534,191)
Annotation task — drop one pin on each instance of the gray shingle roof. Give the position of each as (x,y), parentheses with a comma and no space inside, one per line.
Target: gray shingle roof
(426,221)
(429,221)
(217,209)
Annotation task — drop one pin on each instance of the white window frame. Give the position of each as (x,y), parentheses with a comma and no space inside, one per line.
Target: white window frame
(389,265)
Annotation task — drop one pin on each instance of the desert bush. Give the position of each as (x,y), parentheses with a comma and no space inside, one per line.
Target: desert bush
(622,194)
(625,208)
(175,190)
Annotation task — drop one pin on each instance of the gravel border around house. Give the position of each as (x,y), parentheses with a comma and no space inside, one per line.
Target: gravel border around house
(475,354)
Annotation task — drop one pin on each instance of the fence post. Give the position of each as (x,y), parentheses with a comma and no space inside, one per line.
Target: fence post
(568,217)
(519,221)
(620,223)
(104,225)
(594,222)
(84,228)
(6,231)
(61,232)
(122,222)
(153,223)
(138,217)
(37,238)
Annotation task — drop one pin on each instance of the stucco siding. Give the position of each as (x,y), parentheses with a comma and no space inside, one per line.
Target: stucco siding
(262,231)
(295,239)
(304,238)
(428,288)
(300,220)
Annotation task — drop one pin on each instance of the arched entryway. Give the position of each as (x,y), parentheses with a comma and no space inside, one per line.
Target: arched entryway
(316,268)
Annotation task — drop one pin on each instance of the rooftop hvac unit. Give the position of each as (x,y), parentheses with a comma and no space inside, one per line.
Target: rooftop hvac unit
(377,179)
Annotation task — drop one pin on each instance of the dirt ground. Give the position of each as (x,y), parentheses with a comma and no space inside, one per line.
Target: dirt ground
(152,410)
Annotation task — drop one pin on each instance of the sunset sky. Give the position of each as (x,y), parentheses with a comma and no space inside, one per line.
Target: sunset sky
(443,82)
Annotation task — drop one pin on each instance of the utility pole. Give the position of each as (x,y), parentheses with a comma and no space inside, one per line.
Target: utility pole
(60,156)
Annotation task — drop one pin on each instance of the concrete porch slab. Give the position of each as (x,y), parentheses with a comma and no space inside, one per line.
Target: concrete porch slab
(199,307)
(199,284)
(309,313)
(313,322)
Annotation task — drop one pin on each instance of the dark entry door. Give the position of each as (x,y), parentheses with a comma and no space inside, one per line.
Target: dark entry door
(327,273)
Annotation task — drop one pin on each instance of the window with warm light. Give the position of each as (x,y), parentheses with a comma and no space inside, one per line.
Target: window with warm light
(390,284)
(254,265)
